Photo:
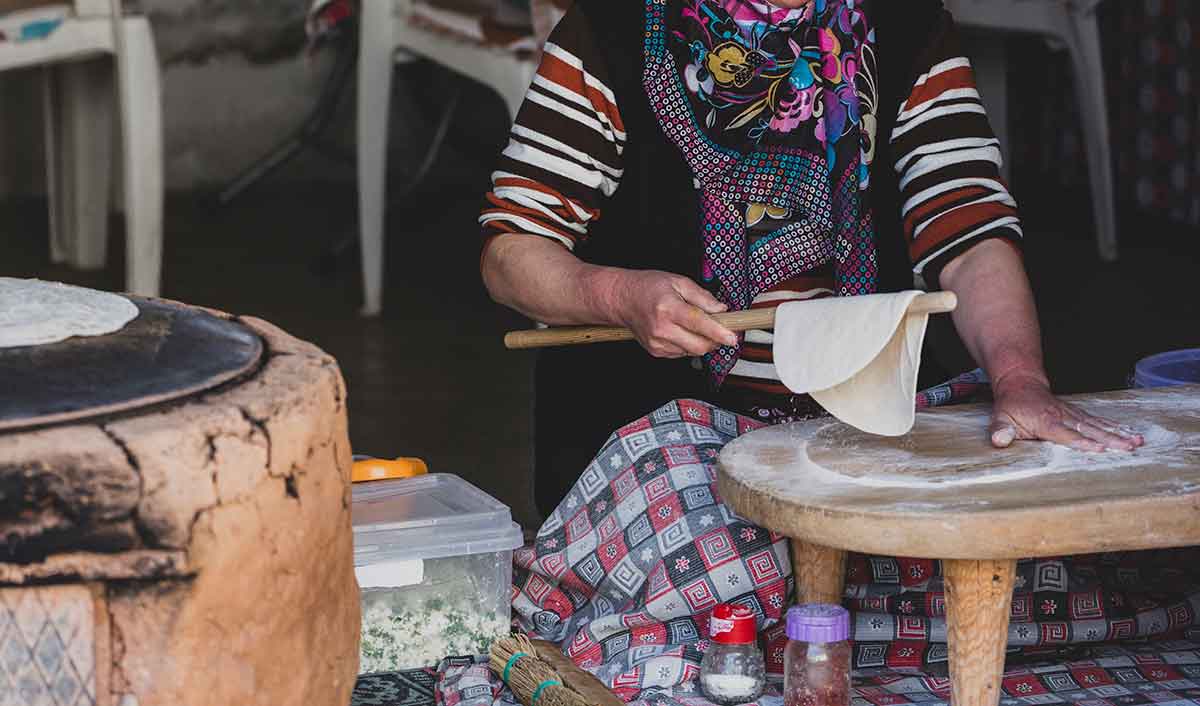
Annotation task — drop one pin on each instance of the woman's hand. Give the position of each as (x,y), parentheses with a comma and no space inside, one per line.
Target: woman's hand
(1026,409)
(999,325)
(670,315)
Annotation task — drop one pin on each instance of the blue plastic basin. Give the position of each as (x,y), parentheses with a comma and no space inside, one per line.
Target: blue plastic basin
(1168,369)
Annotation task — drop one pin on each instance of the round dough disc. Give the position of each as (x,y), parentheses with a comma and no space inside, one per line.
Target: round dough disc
(34,313)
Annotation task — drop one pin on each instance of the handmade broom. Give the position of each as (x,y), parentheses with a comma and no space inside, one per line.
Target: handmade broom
(539,675)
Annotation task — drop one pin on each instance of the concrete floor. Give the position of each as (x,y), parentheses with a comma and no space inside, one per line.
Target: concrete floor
(430,378)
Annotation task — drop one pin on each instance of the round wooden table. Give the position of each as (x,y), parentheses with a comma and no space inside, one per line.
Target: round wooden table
(942,492)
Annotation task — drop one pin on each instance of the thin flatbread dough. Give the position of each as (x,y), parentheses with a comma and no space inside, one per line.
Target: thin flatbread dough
(34,313)
(857,356)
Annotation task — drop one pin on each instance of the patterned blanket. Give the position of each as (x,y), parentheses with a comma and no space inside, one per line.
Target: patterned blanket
(625,572)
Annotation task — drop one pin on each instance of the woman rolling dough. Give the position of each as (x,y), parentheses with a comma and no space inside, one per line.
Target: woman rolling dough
(679,158)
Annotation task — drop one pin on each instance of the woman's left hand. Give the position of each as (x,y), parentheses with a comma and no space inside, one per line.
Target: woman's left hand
(1025,409)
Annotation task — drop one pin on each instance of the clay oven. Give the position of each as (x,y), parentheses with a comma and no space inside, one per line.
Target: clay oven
(186,538)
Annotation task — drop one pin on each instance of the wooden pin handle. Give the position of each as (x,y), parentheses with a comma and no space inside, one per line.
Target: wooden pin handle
(736,321)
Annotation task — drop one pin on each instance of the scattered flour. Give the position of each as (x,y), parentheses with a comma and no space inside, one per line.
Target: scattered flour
(903,464)
(1051,459)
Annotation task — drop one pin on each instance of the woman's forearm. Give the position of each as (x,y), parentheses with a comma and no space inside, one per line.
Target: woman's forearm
(544,281)
(996,315)
(668,313)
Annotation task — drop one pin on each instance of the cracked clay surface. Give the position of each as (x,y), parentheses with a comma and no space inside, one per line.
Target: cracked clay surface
(217,529)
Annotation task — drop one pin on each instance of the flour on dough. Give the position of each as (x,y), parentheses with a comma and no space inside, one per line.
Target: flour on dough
(33,312)
(857,356)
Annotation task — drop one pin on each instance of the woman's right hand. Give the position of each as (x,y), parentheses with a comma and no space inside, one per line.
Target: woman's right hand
(670,315)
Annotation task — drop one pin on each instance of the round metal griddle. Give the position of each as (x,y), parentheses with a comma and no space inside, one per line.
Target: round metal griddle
(168,352)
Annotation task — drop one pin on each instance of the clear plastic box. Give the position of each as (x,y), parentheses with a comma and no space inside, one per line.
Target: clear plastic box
(433,557)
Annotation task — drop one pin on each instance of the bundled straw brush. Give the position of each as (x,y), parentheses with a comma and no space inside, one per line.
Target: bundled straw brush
(533,681)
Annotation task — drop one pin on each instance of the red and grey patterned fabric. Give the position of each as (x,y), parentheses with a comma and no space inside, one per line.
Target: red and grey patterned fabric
(970,386)
(900,608)
(1166,672)
(625,573)
(1155,673)
(468,681)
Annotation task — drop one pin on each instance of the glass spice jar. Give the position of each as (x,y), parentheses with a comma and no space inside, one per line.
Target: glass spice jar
(816,663)
(732,671)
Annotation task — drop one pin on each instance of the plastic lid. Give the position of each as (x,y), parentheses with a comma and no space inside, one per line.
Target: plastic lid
(818,622)
(1169,369)
(428,517)
(732,625)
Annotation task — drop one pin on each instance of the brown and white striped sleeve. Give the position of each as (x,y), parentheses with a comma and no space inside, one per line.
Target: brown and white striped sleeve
(948,160)
(563,157)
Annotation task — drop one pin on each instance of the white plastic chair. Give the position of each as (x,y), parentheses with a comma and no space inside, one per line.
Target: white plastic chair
(1074,24)
(398,30)
(79,100)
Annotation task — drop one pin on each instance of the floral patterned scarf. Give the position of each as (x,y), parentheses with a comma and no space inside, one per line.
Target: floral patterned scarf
(774,111)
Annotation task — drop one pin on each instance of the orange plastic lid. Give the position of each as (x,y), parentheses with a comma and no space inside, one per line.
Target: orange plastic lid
(381,469)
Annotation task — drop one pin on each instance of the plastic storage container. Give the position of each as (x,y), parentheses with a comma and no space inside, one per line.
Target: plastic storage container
(433,557)
(1168,369)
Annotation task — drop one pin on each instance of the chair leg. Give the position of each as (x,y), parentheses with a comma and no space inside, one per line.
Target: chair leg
(52,141)
(140,94)
(1087,58)
(79,103)
(375,66)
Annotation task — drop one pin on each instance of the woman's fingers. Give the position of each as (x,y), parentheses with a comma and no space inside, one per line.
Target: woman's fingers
(1032,412)
(1002,432)
(660,348)
(692,343)
(698,296)
(688,331)
(1106,438)
(701,324)
(682,317)
(1066,436)
(1113,427)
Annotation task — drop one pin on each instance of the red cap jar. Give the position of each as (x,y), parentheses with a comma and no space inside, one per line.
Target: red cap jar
(732,671)
(732,625)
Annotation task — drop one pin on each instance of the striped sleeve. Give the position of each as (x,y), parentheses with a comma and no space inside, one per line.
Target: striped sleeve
(948,161)
(563,157)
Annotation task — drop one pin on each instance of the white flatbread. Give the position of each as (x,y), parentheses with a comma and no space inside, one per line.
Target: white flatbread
(34,313)
(857,356)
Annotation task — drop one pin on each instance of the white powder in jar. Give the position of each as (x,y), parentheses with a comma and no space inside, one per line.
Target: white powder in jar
(730,687)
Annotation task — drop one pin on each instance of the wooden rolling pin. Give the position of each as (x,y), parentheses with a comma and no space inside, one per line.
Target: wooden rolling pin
(736,321)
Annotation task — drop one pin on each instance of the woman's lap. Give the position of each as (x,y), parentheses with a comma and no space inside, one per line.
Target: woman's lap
(581,394)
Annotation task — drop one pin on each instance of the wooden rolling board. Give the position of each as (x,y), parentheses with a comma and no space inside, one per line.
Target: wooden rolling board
(943,492)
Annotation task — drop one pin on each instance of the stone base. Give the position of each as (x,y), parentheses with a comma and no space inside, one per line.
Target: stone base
(198,553)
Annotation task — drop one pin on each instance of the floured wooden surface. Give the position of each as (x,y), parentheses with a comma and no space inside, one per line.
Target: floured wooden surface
(943,488)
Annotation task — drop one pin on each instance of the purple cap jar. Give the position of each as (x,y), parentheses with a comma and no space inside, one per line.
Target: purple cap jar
(818,622)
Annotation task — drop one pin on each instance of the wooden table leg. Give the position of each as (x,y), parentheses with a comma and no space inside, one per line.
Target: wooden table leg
(978,603)
(820,573)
